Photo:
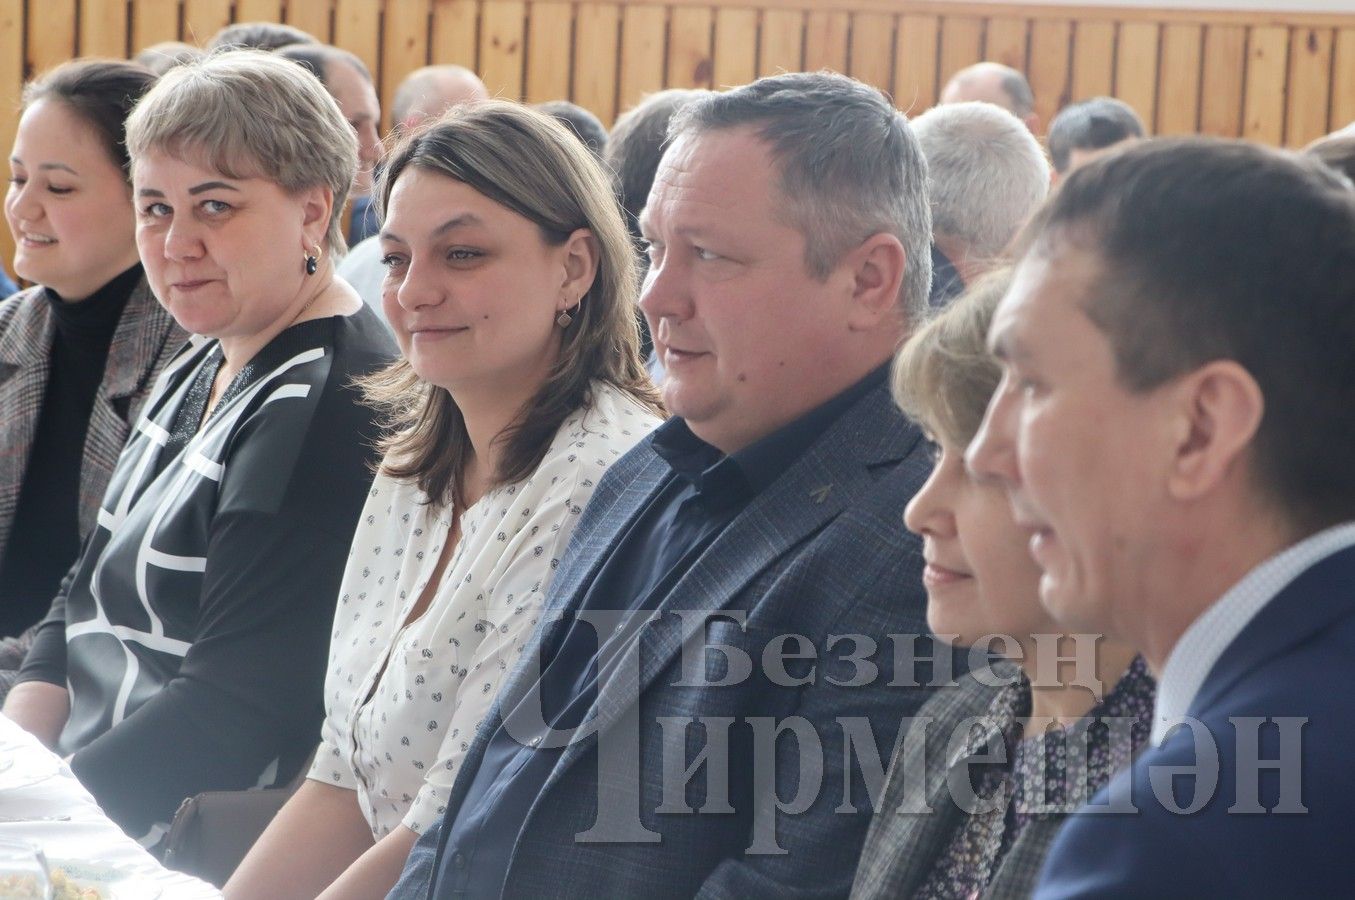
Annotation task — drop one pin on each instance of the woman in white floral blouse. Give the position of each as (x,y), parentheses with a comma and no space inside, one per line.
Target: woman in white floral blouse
(511,290)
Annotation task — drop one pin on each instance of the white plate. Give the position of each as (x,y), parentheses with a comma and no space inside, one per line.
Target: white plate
(39,768)
(111,882)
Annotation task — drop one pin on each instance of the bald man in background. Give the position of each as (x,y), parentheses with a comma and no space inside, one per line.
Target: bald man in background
(424,94)
(433,90)
(990,82)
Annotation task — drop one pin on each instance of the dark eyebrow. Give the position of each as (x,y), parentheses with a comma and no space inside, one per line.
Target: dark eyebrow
(211,186)
(451,224)
(457,222)
(150,192)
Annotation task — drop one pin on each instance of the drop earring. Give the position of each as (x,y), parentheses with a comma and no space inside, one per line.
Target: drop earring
(313,261)
(564,319)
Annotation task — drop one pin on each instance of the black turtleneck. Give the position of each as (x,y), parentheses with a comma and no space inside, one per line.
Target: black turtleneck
(45,538)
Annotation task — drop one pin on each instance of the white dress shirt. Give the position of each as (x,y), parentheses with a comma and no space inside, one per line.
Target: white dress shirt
(1209,636)
(403,699)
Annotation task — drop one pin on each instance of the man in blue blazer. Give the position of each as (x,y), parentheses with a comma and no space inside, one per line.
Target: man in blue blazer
(726,651)
(1174,426)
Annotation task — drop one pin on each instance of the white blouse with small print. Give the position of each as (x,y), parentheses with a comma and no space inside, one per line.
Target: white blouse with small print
(403,699)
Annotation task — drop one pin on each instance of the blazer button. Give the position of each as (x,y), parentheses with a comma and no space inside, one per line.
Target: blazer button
(459,860)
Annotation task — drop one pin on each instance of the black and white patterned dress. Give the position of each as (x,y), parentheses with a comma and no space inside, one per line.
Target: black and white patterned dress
(192,633)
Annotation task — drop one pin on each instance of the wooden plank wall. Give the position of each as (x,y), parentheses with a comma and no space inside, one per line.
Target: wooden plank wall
(1281,78)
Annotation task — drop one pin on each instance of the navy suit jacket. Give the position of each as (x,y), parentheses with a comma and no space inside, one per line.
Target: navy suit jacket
(1287,662)
(820,552)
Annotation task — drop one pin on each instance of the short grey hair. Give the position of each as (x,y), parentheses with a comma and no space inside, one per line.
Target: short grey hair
(849,164)
(988,174)
(250,114)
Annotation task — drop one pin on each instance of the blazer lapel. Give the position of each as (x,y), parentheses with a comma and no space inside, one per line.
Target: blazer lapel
(637,477)
(26,334)
(807,497)
(1312,601)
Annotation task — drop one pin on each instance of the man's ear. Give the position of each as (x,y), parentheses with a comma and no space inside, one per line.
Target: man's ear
(877,268)
(582,254)
(1219,410)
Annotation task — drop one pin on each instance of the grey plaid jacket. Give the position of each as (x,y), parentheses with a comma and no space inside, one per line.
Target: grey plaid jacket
(145,339)
(901,847)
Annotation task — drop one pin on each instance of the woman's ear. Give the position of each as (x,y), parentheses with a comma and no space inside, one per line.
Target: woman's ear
(582,254)
(317,205)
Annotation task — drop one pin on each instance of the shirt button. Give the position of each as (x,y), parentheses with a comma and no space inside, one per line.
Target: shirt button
(459,860)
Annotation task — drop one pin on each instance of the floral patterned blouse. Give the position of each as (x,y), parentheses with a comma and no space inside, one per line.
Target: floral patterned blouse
(403,698)
(1048,774)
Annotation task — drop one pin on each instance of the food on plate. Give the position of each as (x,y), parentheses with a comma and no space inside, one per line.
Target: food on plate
(63,888)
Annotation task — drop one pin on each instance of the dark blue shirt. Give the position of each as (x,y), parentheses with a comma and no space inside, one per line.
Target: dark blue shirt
(704,493)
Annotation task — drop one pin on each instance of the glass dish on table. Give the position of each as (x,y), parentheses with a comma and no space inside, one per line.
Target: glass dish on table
(23,872)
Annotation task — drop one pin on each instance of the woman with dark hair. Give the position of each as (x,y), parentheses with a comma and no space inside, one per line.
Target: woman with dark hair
(185,651)
(80,351)
(511,291)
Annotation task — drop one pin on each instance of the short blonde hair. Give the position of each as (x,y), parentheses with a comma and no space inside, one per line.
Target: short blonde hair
(249,114)
(944,376)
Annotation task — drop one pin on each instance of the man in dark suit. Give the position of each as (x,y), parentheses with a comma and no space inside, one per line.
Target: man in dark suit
(1174,424)
(744,568)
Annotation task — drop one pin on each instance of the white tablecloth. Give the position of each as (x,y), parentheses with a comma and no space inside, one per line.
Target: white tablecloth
(88,834)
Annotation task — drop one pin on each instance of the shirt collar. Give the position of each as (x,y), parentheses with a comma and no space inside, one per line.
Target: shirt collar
(761,463)
(1204,642)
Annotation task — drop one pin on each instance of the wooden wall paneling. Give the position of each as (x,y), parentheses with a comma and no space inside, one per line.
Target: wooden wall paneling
(258,10)
(357,29)
(1136,68)
(1343,80)
(1309,96)
(202,19)
(1093,60)
(596,54)
(644,34)
(1178,108)
(51,34)
(781,42)
(455,33)
(1006,42)
(1264,91)
(11,86)
(1050,70)
(550,51)
(404,48)
(313,17)
(826,34)
(103,28)
(735,52)
(153,21)
(915,62)
(872,49)
(689,62)
(502,33)
(1225,65)
(961,45)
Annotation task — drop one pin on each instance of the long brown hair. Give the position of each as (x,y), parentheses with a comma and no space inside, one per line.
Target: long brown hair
(529,163)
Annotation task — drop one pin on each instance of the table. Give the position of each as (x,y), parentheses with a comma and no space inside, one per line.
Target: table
(88,834)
